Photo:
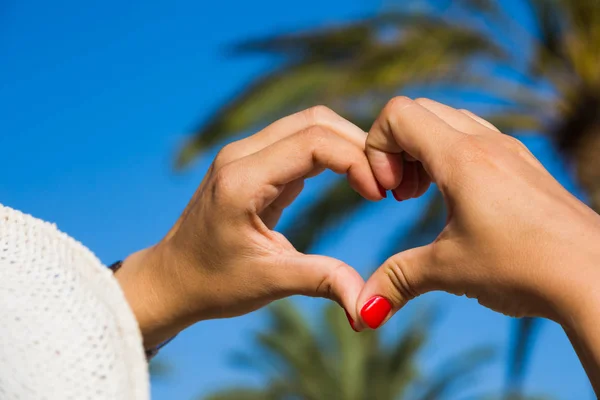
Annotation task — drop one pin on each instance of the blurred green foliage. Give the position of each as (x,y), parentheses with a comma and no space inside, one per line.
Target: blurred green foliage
(336,363)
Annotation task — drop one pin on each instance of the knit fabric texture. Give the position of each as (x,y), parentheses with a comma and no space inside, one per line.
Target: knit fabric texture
(66,330)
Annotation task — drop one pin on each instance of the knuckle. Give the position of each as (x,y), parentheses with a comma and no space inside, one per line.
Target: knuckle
(397,103)
(314,136)
(224,186)
(326,286)
(395,269)
(316,115)
(515,145)
(226,155)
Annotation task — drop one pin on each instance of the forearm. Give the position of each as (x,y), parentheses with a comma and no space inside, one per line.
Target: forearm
(582,326)
(585,338)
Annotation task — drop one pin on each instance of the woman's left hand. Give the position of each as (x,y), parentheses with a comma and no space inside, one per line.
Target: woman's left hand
(222,258)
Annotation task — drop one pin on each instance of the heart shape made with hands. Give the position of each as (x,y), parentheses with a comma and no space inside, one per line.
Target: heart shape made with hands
(410,145)
(279,158)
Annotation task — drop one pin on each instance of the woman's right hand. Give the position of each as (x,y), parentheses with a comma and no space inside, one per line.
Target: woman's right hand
(515,239)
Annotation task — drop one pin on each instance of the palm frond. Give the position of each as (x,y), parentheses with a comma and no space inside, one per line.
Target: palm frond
(335,43)
(276,389)
(583,17)
(349,355)
(372,65)
(488,13)
(387,69)
(268,98)
(357,365)
(549,58)
(329,43)
(528,96)
(399,362)
(582,40)
(512,122)
(294,344)
(478,6)
(456,371)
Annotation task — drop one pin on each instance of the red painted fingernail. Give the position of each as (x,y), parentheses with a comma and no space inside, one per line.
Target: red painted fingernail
(351,321)
(382,191)
(396,196)
(375,311)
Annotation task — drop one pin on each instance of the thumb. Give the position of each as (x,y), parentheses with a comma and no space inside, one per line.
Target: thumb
(398,280)
(321,276)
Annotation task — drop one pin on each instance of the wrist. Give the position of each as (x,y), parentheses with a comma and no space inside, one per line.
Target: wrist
(580,300)
(153,295)
(582,326)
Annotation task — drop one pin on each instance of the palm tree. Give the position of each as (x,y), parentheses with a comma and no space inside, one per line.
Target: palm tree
(335,363)
(543,78)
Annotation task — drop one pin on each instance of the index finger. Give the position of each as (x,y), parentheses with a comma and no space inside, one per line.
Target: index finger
(406,126)
(298,156)
(287,126)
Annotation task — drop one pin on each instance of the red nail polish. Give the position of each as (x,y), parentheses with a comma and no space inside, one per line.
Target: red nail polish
(375,311)
(396,196)
(351,321)
(382,191)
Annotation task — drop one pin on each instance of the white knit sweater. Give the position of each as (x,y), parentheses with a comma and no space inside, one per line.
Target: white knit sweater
(66,330)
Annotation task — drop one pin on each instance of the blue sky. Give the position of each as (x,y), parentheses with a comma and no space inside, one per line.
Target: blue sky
(96,97)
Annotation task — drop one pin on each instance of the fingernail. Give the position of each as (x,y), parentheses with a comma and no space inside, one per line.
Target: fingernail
(396,196)
(382,191)
(375,311)
(351,321)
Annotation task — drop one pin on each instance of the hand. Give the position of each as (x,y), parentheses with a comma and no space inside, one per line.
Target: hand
(223,258)
(515,239)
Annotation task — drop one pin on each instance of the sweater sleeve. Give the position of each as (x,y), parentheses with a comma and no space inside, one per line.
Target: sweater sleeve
(66,330)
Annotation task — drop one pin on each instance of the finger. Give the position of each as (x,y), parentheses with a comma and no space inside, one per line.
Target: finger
(284,127)
(480,120)
(401,278)
(405,125)
(424,180)
(410,182)
(272,213)
(320,276)
(263,173)
(456,119)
